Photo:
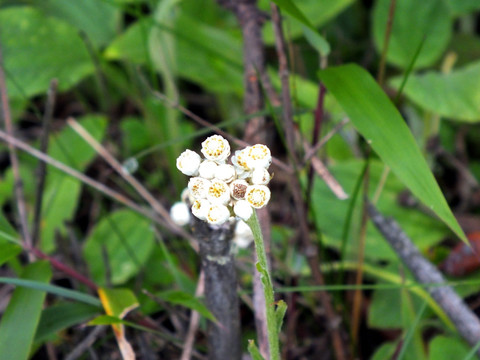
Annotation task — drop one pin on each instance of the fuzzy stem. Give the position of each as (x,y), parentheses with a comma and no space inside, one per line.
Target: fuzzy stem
(262,267)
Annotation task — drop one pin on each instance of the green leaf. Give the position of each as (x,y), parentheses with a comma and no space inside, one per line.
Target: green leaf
(127,239)
(380,123)
(185,299)
(313,37)
(447,348)
(330,213)
(463,7)
(280,314)
(455,95)
(253,350)
(62,191)
(37,49)
(20,319)
(97,19)
(62,316)
(118,302)
(53,289)
(413,21)
(318,13)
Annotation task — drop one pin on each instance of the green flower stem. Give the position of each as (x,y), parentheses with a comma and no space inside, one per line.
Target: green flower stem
(262,267)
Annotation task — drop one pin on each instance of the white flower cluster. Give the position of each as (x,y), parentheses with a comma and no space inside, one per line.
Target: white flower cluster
(217,189)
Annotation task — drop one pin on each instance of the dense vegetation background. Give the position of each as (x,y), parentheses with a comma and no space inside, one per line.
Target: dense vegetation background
(150,78)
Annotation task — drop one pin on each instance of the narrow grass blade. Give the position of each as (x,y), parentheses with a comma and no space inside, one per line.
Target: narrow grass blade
(21,318)
(380,123)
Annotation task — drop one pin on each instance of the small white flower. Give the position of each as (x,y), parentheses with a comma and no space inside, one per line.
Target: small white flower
(260,176)
(243,235)
(243,210)
(258,156)
(240,160)
(180,213)
(238,189)
(216,148)
(218,192)
(217,214)
(198,187)
(225,173)
(188,162)
(200,208)
(207,169)
(257,196)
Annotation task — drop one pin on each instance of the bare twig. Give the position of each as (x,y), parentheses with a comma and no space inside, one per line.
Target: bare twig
(42,166)
(110,159)
(95,184)
(466,322)
(86,343)
(214,128)
(194,321)
(7,119)
(310,248)
(311,152)
(386,41)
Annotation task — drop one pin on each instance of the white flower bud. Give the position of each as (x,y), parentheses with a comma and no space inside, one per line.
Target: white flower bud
(198,187)
(207,169)
(238,189)
(257,196)
(217,214)
(188,162)
(200,208)
(216,148)
(243,210)
(260,176)
(180,213)
(243,235)
(218,192)
(259,156)
(225,173)
(186,196)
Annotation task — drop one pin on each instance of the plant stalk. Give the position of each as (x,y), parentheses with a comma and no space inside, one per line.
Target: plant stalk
(262,267)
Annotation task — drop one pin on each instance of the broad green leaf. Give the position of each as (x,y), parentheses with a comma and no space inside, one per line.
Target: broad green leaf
(463,7)
(380,123)
(62,191)
(126,238)
(97,19)
(8,251)
(52,289)
(447,348)
(455,95)
(9,243)
(62,316)
(317,13)
(313,37)
(37,48)
(118,302)
(217,62)
(185,299)
(413,21)
(20,319)
(331,213)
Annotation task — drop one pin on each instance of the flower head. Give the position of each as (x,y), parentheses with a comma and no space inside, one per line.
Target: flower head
(180,214)
(238,189)
(240,160)
(257,196)
(198,187)
(200,208)
(216,148)
(258,156)
(217,214)
(218,192)
(243,210)
(188,162)
(260,176)
(207,169)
